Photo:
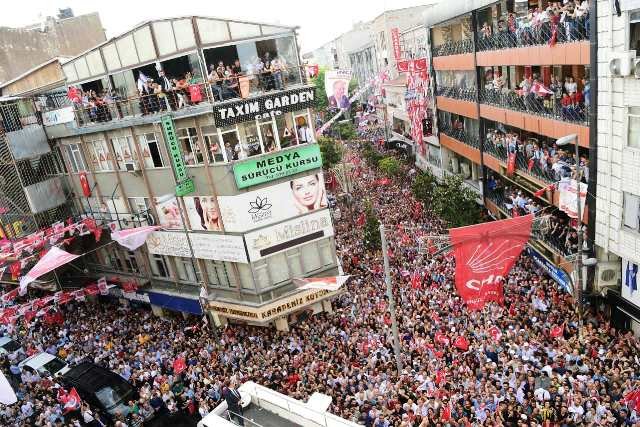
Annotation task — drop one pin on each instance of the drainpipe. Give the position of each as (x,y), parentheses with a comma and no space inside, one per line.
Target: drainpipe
(593,133)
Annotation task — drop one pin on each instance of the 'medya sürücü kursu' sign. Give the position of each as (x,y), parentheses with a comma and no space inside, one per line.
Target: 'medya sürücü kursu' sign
(273,166)
(262,107)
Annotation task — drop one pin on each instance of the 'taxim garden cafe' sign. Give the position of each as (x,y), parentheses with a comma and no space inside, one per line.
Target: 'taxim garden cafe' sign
(278,165)
(263,107)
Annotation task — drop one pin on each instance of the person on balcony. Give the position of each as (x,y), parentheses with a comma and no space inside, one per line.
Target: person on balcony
(167,89)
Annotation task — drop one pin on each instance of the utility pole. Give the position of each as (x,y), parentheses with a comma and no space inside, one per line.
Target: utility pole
(392,304)
(578,290)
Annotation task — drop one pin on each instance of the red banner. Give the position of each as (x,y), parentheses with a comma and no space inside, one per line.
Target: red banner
(395,40)
(511,164)
(84,183)
(484,255)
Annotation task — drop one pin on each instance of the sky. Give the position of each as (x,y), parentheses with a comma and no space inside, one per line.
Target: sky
(319,21)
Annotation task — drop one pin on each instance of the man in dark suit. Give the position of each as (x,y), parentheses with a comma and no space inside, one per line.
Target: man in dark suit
(232,397)
(167,88)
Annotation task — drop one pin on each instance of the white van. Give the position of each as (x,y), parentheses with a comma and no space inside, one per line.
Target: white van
(8,346)
(44,364)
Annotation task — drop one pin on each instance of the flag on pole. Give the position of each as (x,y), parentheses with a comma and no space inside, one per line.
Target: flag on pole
(53,259)
(133,238)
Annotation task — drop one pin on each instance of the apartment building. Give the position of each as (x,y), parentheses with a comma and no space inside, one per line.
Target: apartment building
(506,89)
(617,230)
(204,127)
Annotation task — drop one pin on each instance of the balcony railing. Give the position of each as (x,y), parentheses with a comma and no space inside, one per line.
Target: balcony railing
(524,165)
(465,94)
(462,136)
(548,106)
(16,115)
(108,108)
(527,34)
(453,48)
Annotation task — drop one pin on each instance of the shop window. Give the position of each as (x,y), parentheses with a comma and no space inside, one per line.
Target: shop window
(187,269)
(326,252)
(75,158)
(310,257)
(268,136)
(215,153)
(188,138)
(125,155)
(217,273)
(303,128)
(261,274)
(295,263)
(151,154)
(160,266)
(250,140)
(99,154)
(633,128)
(286,130)
(631,211)
(131,262)
(231,141)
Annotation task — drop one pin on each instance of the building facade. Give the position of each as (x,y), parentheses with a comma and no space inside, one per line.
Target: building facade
(228,167)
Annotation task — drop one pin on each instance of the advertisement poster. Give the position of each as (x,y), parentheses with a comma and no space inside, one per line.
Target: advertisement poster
(568,196)
(395,40)
(216,247)
(269,205)
(278,165)
(203,213)
(289,234)
(336,84)
(169,214)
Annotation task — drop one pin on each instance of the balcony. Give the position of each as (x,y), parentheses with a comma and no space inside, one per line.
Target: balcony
(529,168)
(453,48)
(464,94)
(460,142)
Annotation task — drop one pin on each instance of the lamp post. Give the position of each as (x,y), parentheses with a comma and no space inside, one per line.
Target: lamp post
(392,304)
(567,140)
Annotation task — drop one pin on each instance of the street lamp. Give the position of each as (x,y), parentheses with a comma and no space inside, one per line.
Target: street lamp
(567,140)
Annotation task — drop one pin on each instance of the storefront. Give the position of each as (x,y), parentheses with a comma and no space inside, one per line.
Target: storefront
(560,276)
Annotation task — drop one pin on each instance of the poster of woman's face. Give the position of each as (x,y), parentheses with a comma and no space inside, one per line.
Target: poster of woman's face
(169,214)
(203,213)
(308,193)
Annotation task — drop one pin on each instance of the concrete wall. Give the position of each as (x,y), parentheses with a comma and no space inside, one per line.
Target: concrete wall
(22,49)
(618,163)
(44,78)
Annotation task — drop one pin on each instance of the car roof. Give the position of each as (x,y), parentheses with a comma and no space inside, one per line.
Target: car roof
(37,360)
(91,377)
(4,340)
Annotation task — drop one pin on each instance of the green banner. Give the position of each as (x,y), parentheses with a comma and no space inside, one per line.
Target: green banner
(284,163)
(185,184)
(185,187)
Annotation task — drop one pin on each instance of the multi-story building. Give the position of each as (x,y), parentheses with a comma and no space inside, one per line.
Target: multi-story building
(335,53)
(617,227)
(227,166)
(506,90)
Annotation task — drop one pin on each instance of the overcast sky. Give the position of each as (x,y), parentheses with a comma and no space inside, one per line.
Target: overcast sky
(319,21)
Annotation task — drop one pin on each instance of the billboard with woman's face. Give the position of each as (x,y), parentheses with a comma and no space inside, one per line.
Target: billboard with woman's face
(203,213)
(276,203)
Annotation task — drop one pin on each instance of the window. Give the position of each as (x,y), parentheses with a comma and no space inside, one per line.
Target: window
(139,208)
(231,141)
(99,156)
(187,269)
(160,266)
(261,274)
(278,269)
(295,264)
(268,136)
(188,138)
(75,158)
(131,262)
(151,154)
(634,31)
(212,144)
(251,145)
(310,257)
(286,130)
(125,155)
(303,127)
(217,273)
(112,259)
(633,129)
(631,211)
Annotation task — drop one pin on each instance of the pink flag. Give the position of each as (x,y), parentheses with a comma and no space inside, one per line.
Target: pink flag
(332,283)
(133,238)
(52,260)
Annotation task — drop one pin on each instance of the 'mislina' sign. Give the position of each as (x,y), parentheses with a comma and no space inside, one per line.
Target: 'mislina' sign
(266,106)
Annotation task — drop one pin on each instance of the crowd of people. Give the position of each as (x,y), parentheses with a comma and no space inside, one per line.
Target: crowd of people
(514,371)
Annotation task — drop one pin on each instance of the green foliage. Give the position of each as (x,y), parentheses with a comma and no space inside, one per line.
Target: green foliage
(346,130)
(331,151)
(455,203)
(371,228)
(390,166)
(321,96)
(424,186)
(371,155)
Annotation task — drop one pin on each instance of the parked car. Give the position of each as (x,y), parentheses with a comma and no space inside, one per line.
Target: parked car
(100,387)
(8,346)
(44,364)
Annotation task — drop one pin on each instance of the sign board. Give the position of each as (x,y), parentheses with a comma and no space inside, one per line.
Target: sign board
(395,40)
(185,184)
(58,117)
(273,204)
(218,247)
(560,276)
(273,310)
(185,187)
(45,195)
(278,165)
(263,107)
(289,234)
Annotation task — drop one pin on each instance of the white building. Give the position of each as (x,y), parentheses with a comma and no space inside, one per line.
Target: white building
(618,179)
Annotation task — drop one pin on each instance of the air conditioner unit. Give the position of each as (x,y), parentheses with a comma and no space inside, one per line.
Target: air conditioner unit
(636,68)
(620,63)
(608,275)
(130,167)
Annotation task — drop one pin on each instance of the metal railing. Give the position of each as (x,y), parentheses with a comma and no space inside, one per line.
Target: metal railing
(527,34)
(15,115)
(453,48)
(549,106)
(465,94)
(462,136)
(113,106)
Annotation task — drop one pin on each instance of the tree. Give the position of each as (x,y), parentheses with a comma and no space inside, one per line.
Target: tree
(424,185)
(321,94)
(331,151)
(371,155)
(371,228)
(390,166)
(346,130)
(455,203)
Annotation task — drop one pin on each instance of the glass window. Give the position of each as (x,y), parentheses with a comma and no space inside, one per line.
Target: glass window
(261,274)
(634,31)
(310,257)
(295,263)
(248,56)
(326,252)
(112,259)
(303,127)
(99,155)
(139,204)
(132,263)
(217,273)
(125,155)
(287,61)
(160,266)
(632,211)
(188,138)
(633,131)
(286,130)
(151,154)
(251,145)
(215,153)
(268,136)
(75,158)
(187,269)
(278,269)
(231,140)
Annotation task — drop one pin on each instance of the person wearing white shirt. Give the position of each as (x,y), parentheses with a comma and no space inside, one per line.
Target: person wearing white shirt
(304,134)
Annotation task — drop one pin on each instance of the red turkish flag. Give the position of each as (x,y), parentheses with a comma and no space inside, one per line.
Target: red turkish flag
(446,413)
(557,331)
(71,401)
(129,287)
(361,220)
(461,343)
(415,281)
(14,268)
(92,289)
(540,192)
(441,338)
(65,297)
(495,333)
(440,377)
(84,183)
(179,365)
(511,164)
(484,255)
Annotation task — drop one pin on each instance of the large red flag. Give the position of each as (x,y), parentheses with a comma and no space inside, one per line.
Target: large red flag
(484,255)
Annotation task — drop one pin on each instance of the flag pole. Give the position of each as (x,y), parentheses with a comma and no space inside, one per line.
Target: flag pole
(392,305)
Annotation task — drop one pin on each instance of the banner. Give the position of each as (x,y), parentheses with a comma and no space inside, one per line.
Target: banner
(133,238)
(218,247)
(169,214)
(395,41)
(203,213)
(269,205)
(568,196)
(278,165)
(84,183)
(560,276)
(484,255)
(329,283)
(288,234)
(53,259)
(336,85)
(511,164)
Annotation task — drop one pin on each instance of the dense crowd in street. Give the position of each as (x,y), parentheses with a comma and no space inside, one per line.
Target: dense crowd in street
(513,372)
